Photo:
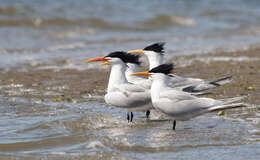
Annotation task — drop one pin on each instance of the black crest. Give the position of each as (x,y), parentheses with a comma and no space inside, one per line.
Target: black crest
(125,57)
(163,68)
(156,47)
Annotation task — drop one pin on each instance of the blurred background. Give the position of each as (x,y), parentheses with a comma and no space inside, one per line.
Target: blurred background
(42,30)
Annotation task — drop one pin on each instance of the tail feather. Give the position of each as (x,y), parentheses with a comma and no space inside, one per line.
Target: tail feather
(202,86)
(231,100)
(200,93)
(221,81)
(227,106)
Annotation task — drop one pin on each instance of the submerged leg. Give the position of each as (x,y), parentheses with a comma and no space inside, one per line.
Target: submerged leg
(128,117)
(132,116)
(147,114)
(174,124)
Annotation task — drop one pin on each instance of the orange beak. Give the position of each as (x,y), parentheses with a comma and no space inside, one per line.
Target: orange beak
(147,74)
(138,51)
(96,59)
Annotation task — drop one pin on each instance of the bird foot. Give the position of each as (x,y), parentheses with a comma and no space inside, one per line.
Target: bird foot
(174,125)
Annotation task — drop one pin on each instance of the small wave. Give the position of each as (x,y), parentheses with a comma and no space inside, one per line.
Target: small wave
(167,20)
(255,30)
(43,22)
(14,51)
(9,11)
(37,22)
(157,22)
(216,13)
(67,46)
(94,145)
(208,59)
(16,11)
(70,33)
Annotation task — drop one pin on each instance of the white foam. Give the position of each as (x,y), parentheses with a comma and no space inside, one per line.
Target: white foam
(94,144)
(67,46)
(208,59)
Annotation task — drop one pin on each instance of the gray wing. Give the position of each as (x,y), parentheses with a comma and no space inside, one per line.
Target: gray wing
(128,96)
(132,88)
(175,95)
(178,81)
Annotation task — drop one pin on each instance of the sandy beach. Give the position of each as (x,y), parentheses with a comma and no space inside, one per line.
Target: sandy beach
(68,84)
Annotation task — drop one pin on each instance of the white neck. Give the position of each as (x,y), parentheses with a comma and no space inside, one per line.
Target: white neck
(155,59)
(159,83)
(132,68)
(117,76)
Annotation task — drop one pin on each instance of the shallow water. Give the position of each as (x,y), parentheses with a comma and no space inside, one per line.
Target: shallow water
(40,39)
(35,30)
(33,129)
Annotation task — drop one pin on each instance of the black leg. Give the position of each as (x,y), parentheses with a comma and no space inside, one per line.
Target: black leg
(174,124)
(132,116)
(128,117)
(147,114)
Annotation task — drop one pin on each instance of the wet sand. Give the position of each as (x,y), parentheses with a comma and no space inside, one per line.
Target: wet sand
(244,66)
(31,81)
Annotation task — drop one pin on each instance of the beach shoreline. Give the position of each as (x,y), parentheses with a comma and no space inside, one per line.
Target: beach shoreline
(68,84)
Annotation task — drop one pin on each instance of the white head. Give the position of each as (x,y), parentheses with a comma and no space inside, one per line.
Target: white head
(118,62)
(153,52)
(159,73)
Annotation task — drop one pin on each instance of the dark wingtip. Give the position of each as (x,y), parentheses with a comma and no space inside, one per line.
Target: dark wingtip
(163,68)
(156,47)
(125,57)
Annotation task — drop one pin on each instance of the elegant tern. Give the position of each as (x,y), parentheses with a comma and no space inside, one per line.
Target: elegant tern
(178,104)
(155,55)
(121,93)
(132,67)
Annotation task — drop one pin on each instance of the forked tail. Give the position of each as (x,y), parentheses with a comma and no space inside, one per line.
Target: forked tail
(231,100)
(227,106)
(221,81)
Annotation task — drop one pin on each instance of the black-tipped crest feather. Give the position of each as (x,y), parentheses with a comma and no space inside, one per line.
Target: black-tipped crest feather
(125,57)
(163,68)
(156,47)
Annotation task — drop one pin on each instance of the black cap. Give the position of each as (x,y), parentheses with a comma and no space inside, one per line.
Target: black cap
(156,47)
(125,57)
(163,68)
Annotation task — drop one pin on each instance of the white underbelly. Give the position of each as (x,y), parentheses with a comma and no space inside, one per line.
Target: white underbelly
(178,111)
(131,104)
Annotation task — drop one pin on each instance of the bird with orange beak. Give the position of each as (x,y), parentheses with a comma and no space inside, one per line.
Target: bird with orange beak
(121,93)
(177,104)
(155,55)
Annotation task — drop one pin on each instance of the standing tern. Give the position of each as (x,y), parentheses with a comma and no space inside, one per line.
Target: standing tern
(155,55)
(121,93)
(132,67)
(178,104)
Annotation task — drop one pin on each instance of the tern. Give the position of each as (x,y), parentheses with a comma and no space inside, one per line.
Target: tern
(132,67)
(155,55)
(121,93)
(177,104)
